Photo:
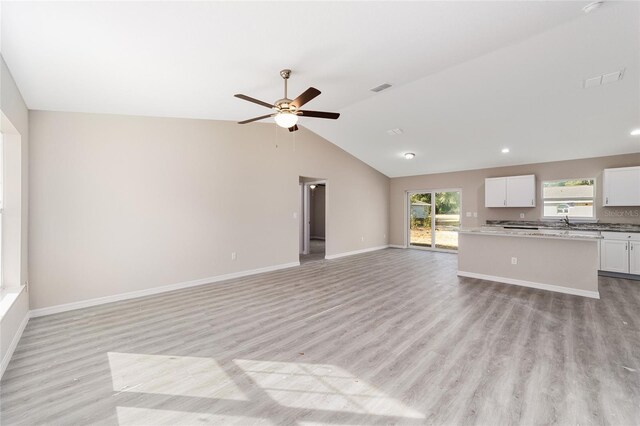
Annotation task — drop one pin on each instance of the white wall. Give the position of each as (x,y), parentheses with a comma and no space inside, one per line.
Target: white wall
(122,204)
(14,314)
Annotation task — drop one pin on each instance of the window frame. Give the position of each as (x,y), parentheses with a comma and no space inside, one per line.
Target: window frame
(592,218)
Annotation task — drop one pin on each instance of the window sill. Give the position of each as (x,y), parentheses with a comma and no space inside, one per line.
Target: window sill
(8,297)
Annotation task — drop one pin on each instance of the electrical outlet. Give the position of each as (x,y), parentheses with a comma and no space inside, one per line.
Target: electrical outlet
(475,214)
(468,214)
(521,215)
(233,255)
(514,260)
(295,215)
(362,238)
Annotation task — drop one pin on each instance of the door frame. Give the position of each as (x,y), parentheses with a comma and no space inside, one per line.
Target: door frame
(306,213)
(407,209)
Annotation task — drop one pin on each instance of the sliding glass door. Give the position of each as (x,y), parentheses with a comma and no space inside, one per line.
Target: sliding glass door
(434,219)
(420,220)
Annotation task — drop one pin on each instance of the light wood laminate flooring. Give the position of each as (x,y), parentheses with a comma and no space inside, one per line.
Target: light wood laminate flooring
(388,337)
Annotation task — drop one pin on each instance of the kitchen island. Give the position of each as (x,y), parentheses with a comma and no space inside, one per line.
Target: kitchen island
(556,260)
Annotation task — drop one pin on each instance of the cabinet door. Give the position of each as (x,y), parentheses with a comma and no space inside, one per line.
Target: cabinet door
(622,187)
(521,191)
(495,192)
(614,256)
(634,257)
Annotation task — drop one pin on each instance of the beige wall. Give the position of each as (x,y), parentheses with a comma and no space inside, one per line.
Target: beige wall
(317,212)
(569,263)
(121,203)
(471,184)
(15,110)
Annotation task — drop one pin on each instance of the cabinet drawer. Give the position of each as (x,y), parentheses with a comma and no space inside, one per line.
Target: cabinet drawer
(627,236)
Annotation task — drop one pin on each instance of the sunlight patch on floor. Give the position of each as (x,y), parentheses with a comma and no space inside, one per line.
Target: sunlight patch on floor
(171,375)
(322,387)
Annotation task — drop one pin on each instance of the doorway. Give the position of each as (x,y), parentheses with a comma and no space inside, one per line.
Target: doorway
(313,219)
(433,219)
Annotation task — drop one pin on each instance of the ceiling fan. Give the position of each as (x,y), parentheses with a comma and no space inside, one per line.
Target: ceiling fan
(287,110)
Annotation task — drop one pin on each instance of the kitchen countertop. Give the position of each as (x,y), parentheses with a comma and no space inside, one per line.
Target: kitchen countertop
(575,226)
(533,233)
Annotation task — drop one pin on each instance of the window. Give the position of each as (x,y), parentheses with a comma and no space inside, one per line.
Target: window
(569,197)
(1,202)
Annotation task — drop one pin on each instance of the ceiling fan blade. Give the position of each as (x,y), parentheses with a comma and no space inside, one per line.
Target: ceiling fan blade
(294,128)
(319,114)
(255,119)
(305,97)
(255,101)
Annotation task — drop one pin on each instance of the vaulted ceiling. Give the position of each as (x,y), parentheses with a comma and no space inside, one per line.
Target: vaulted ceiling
(468,78)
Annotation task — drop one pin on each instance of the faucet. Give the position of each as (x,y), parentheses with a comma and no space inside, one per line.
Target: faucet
(566,220)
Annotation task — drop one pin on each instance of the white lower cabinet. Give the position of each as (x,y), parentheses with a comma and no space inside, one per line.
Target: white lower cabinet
(620,252)
(634,257)
(614,256)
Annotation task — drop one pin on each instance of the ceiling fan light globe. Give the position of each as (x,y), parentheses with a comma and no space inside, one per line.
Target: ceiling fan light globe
(286,119)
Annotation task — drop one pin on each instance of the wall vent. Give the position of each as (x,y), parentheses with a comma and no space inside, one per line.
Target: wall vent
(381,87)
(393,132)
(601,80)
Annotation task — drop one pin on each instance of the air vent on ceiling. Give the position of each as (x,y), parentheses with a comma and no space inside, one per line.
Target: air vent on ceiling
(601,80)
(393,132)
(381,87)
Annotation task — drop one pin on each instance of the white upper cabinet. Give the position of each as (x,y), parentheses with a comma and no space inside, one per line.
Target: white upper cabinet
(495,192)
(622,187)
(510,191)
(521,191)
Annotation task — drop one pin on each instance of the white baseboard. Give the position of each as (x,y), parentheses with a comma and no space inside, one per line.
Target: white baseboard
(148,292)
(531,284)
(397,246)
(14,343)
(351,253)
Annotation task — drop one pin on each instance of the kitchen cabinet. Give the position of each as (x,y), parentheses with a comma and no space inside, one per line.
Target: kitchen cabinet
(634,257)
(495,192)
(620,252)
(510,191)
(621,187)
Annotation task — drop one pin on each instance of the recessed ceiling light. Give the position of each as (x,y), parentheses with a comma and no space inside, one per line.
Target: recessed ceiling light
(635,132)
(409,155)
(505,150)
